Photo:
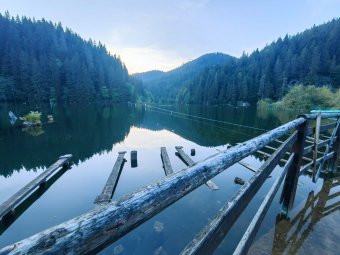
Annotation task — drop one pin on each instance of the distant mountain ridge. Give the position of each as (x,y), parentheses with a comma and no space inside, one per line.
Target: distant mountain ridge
(311,58)
(167,84)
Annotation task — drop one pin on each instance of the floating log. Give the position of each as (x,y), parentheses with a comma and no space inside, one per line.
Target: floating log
(187,160)
(112,181)
(14,200)
(133,157)
(166,161)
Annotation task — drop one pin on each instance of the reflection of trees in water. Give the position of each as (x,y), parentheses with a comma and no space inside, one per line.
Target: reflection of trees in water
(81,130)
(290,235)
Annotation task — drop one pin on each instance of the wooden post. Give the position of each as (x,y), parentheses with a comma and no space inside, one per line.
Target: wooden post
(133,156)
(293,173)
(111,183)
(316,142)
(166,161)
(211,185)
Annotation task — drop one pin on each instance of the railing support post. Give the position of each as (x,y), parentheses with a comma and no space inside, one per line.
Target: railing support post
(336,147)
(290,184)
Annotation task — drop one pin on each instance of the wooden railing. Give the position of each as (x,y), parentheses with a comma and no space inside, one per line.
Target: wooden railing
(107,223)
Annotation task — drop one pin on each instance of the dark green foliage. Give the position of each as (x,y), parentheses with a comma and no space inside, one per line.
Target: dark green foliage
(305,98)
(169,86)
(311,57)
(42,61)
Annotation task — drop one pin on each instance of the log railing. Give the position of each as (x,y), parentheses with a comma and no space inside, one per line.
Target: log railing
(105,224)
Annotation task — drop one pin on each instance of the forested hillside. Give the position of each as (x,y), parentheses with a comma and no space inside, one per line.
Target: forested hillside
(310,57)
(42,61)
(164,86)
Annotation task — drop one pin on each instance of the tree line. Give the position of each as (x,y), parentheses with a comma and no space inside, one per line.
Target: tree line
(42,61)
(310,58)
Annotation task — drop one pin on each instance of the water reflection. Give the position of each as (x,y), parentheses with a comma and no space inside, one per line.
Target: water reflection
(85,130)
(300,234)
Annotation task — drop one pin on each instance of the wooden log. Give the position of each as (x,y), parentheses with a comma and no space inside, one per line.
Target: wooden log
(166,161)
(112,181)
(14,200)
(103,225)
(187,160)
(213,233)
(249,235)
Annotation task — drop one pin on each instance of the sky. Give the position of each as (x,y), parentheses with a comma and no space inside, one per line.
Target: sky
(164,34)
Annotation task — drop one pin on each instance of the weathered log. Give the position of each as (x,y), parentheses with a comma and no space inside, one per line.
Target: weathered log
(211,185)
(111,183)
(166,161)
(103,225)
(14,200)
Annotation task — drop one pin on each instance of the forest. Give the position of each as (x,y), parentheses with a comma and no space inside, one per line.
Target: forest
(310,58)
(42,61)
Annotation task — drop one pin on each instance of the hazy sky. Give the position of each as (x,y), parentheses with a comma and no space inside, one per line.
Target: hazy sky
(162,34)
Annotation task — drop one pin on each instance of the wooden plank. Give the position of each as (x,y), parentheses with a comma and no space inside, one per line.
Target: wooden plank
(288,153)
(308,166)
(248,166)
(327,126)
(14,200)
(112,181)
(268,155)
(103,225)
(329,146)
(166,161)
(250,233)
(213,233)
(190,162)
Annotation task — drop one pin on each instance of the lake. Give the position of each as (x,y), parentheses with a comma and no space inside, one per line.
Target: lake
(94,134)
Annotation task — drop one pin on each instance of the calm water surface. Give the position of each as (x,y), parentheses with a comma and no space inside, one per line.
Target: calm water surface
(95,134)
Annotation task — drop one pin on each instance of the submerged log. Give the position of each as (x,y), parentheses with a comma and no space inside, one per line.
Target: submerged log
(166,161)
(101,226)
(111,183)
(14,200)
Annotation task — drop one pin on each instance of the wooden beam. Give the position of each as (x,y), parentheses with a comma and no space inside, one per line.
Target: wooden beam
(250,233)
(166,161)
(112,181)
(213,233)
(327,126)
(246,165)
(105,224)
(14,200)
(328,147)
(211,185)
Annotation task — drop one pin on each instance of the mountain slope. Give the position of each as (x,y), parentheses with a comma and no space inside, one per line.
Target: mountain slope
(164,86)
(310,57)
(42,61)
